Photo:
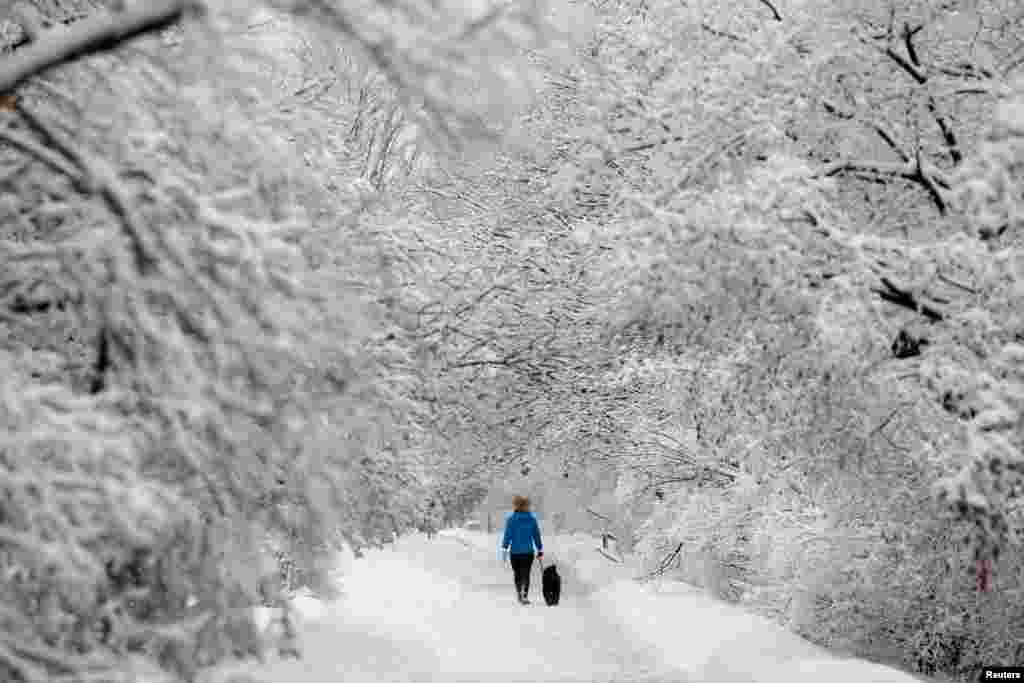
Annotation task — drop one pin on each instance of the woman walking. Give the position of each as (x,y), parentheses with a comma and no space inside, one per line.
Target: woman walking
(522,535)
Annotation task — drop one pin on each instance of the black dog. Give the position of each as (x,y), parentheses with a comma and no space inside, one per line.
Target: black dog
(551,585)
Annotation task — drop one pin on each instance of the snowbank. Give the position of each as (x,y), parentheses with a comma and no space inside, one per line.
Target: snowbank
(707,639)
(305,607)
(715,641)
(841,671)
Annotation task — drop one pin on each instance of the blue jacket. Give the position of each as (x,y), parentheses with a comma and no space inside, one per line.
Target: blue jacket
(522,533)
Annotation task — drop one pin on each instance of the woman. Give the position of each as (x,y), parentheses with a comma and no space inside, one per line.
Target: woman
(522,535)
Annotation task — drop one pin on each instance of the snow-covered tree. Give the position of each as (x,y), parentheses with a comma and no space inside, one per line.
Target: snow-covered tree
(234,378)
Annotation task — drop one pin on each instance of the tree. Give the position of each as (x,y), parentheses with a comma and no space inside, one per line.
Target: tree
(829,343)
(237,388)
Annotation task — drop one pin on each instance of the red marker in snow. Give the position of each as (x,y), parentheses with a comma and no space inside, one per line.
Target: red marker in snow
(984,574)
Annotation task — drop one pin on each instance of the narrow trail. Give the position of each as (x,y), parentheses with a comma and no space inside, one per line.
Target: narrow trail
(444,611)
(441,611)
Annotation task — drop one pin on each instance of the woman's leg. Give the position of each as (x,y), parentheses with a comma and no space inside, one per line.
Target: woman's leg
(527,566)
(520,571)
(517,572)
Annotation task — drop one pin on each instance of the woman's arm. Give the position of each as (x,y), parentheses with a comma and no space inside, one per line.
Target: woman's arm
(506,539)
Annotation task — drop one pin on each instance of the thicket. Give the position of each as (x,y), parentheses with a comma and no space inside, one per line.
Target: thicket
(792,237)
(204,374)
(819,338)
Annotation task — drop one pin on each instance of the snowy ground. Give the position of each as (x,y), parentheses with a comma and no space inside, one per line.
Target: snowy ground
(444,611)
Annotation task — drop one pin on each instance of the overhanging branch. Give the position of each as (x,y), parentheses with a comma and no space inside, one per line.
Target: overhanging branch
(929,178)
(902,297)
(104,31)
(774,10)
(913,67)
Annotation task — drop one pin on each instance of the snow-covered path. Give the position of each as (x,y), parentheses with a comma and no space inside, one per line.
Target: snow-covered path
(444,611)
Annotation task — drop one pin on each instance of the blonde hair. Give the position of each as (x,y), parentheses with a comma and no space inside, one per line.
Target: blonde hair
(520,504)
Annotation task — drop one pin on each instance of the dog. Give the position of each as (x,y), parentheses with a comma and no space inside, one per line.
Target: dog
(551,585)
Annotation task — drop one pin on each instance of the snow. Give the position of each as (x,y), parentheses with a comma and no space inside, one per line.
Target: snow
(444,610)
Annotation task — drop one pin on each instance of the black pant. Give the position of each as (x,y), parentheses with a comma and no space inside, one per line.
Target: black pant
(521,565)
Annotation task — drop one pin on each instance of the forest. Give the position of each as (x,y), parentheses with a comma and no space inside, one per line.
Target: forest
(741,279)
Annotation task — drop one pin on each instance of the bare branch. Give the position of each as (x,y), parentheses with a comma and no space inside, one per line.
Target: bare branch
(48,157)
(97,178)
(914,72)
(948,136)
(454,197)
(913,67)
(885,423)
(929,183)
(903,297)
(101,364)
(720,33)
(904,170)
(908,41)
(775,12)
(966,70)
(95,34)
(509,362)
(991,90)
(931,180)
(697,164)
(644,146)
(666,562)
(958,285)
(889,139)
